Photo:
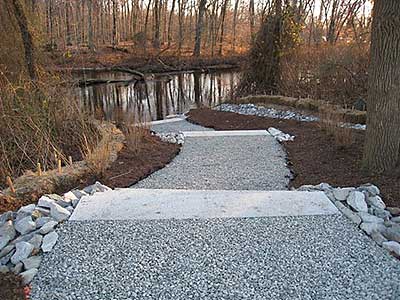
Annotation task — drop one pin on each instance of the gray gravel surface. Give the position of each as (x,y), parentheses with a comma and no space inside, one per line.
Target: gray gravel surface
(225,163)
(251,258)
(178,126)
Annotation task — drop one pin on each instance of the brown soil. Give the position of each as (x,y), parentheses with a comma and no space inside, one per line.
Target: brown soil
(314,157)
(11,287)
(134,165)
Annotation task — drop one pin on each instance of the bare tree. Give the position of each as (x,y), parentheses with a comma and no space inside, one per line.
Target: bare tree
(199,27)
(382,145)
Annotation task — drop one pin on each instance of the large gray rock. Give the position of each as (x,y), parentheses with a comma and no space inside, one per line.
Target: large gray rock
(44,212)
(348,213)
(17,268)
(43,220)
(6,250)
(36,241)
(376,201)
(27,276)
(79,194)
(392,233)
(4,260)
(392,246)
(25,225)
(55,197)
(341,194)
(59,213)
(371,227)
(381,213)
(371,189)
(395,211)
(396,219)
(356,200)
(32,262)
(367,218)
(27,209)
(378,237)
(4,269)
(6,217)
(7,233)
(45,201)
(49,241)
(97,187)
(46,228)
(23,250)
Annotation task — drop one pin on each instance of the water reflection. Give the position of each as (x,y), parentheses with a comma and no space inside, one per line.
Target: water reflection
(157,98)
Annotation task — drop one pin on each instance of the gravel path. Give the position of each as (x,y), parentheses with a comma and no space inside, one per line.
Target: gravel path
(224,163)
(249,258)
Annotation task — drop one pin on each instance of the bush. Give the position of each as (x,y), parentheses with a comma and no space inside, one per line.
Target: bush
(38,123)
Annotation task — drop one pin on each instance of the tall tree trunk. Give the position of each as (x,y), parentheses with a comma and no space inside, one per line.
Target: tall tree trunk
(114,23)
(67,23)
(26,38)
(199,28)
(221,37)
(170,23)
(252,18)
(156,39)
(235,13)
(382,145)
(90,23)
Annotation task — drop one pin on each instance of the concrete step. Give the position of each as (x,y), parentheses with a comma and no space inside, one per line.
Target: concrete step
(153,204)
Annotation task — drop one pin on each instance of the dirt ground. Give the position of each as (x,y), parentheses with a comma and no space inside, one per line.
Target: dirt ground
(11,287)
(313,156)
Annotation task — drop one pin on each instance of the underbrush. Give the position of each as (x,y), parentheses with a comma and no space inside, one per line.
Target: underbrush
(40,123)
(332,124)
(333,73)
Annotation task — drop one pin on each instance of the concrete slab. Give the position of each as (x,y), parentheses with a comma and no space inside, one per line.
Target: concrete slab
(225,133)
(153,204)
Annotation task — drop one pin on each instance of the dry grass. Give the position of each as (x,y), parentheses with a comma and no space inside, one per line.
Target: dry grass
(332,124)
(40,123)
(97,157)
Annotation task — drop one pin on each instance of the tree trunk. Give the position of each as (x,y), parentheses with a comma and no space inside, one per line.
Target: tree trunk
(170,23)
(199,28)
(252,18)
(221,37)
(26,38)
(114,23)
(382,145)
(235,12)
(67,23)
(90,21)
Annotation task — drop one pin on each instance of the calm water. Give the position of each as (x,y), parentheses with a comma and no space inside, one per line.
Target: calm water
(158,97)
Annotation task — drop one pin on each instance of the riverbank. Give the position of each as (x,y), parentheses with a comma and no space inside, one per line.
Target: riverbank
(313,156)
(105,58)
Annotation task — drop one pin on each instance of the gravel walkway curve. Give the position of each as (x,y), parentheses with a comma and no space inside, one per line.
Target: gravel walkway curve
(224,163)
(280,258)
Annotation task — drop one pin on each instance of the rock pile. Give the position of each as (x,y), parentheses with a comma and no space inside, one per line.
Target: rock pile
(364,207)
(172,137)
(279,135)
(29,232)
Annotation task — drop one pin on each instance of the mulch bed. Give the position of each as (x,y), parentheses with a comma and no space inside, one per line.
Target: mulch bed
(132,166)
(11,287)
(314,156)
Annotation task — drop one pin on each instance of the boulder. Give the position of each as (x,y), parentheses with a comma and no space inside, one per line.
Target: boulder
(27,209)
(7,233)
(4,269)
(36,241)
(43,220)
(348,213)
(367,218)
(32,262)
(396,219)
(17,268)
(59,213)
(25,225)
(70,196)
(378,237)
(356,200)
(28,276)
(371,227)
(6,250)
(49,241)
(97,187)
(341,194)
(371,189)
(395,211)
(376,201)
(55,197)
(392,247)
(4,260)
(23,250)
(45,202)
(79,194)
(43,211)
(381,213)
(46,228)
(392,233)
(7,216)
